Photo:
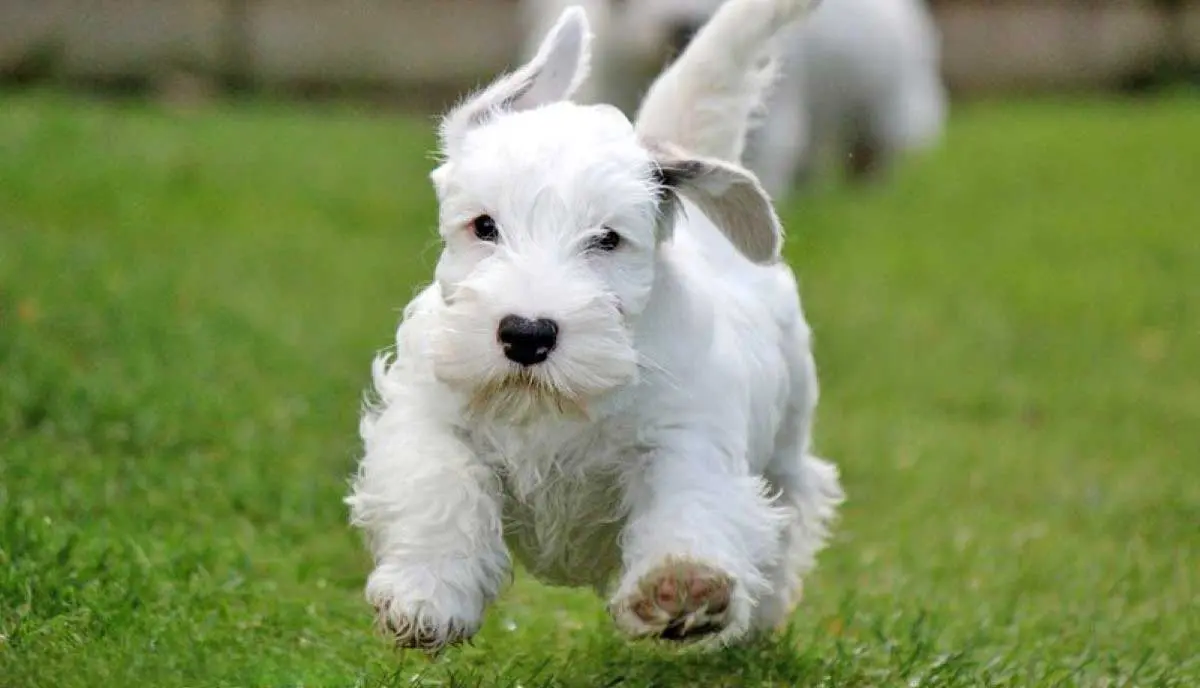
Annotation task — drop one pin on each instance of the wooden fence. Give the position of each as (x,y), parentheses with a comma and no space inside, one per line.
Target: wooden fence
(405,46)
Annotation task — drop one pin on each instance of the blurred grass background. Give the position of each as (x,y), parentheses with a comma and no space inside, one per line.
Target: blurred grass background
(1008,337)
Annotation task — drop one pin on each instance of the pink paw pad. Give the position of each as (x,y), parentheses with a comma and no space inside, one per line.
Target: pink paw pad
(683,600)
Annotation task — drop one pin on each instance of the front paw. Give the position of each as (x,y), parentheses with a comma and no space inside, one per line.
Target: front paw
(682,600)
(421,614)
(418,629)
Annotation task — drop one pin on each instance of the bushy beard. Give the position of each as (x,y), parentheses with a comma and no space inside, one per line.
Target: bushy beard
(595,356)
(521,397)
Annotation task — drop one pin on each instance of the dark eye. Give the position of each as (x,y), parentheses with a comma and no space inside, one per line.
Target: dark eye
(485,228)
(608,241)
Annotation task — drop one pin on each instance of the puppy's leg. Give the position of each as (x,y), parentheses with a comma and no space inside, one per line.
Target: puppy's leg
(808,487)
(700,532)
(908,118)
(867,159)
(432,515)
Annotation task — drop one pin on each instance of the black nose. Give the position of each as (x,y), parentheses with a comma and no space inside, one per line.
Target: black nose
(526,341)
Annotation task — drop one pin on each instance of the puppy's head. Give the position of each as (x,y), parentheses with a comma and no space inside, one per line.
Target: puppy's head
(552,215)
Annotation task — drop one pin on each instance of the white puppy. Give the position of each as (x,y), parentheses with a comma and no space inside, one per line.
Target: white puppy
(610,376)
(860,81)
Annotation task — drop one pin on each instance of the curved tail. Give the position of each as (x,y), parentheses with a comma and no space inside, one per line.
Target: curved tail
(704,102)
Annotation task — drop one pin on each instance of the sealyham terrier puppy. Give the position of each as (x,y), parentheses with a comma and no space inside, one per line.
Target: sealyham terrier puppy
(610,377)
(860,82)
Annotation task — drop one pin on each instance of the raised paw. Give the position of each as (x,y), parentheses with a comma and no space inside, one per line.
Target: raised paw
(679,600)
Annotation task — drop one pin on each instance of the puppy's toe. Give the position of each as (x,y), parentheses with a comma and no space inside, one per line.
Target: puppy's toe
(680,600)
(419,632)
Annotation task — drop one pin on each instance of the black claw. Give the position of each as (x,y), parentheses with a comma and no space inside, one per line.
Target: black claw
(673,632)
(676,632)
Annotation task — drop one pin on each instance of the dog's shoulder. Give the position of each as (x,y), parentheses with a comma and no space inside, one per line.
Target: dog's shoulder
(715,273)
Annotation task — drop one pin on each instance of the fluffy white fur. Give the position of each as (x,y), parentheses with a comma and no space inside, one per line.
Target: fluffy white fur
(860,80)
(664,446)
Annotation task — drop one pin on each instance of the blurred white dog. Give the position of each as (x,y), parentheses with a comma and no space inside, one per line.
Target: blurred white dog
(860,81)
(611,374)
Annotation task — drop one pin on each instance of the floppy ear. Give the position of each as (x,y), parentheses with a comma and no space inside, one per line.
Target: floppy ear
(555,72)
(729,195)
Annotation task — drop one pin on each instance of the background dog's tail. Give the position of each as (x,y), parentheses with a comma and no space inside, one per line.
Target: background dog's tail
(705,101)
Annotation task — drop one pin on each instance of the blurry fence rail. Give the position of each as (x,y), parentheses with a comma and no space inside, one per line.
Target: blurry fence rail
(442,46)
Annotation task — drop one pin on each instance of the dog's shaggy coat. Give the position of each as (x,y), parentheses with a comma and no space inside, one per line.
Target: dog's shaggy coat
(658,450)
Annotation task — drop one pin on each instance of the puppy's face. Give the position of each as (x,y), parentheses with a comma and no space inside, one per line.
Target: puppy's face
(552,215)
(550,223)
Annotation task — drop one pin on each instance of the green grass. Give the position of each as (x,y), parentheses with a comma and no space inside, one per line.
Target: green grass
(1008,335)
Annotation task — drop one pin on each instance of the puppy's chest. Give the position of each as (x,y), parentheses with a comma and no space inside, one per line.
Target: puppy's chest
(563,504)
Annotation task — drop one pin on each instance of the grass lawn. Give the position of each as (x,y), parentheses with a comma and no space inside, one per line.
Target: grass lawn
(1008,335)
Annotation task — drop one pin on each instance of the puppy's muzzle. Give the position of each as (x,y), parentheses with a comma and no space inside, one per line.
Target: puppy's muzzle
(527,341)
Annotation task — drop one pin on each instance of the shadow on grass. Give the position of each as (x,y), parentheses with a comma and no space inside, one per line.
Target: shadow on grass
(605,660)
